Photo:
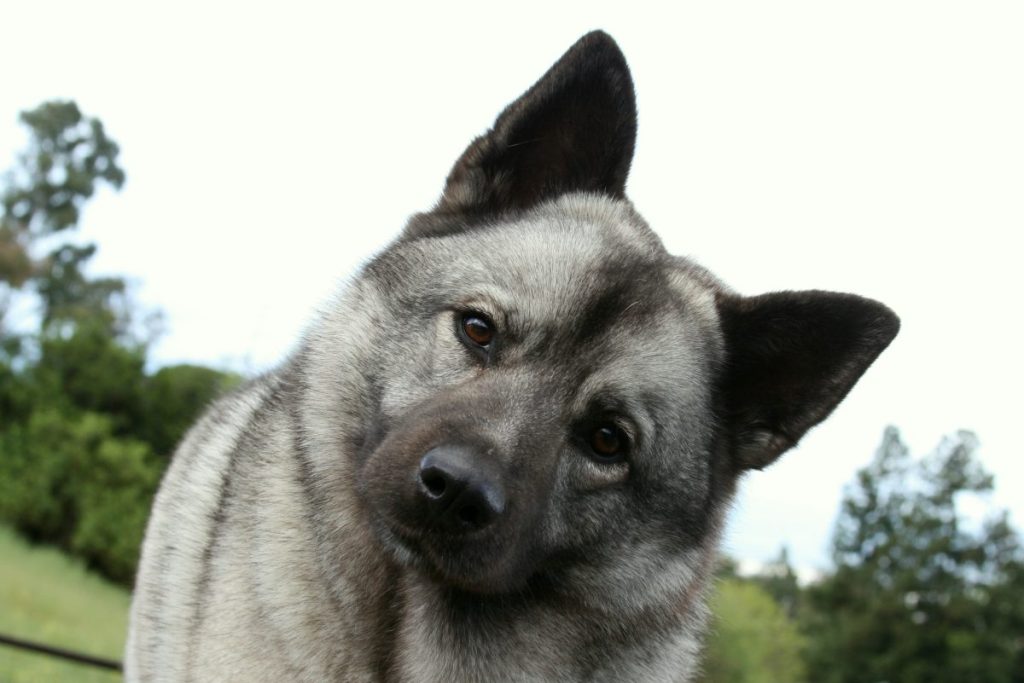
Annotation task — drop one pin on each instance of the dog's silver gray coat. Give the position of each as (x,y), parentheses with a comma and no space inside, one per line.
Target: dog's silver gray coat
(288,540)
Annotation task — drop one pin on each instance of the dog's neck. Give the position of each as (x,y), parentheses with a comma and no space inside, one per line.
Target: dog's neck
(426,632)
(441,635)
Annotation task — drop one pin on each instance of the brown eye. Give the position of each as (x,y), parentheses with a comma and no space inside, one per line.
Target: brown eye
(477,329)
(608,442)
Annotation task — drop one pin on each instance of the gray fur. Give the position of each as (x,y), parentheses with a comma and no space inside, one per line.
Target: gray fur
(289,539)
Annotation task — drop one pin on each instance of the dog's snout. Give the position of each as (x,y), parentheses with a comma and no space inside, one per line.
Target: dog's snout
(463,491)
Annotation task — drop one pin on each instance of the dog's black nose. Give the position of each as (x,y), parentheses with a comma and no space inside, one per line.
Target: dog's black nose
(462,489)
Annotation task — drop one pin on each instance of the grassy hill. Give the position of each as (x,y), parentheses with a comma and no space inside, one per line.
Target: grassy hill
(49,598)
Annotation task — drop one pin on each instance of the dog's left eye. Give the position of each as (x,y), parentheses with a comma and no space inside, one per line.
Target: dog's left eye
(608,443)
(477,329)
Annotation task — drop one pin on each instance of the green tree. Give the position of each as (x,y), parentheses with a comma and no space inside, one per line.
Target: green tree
(920,593)
(172,399)
(88,369)
(69,480)
(69,155)
(751,638)
(779,579)
(84,430)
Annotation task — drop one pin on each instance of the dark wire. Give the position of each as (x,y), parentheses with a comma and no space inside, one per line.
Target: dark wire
(59,652)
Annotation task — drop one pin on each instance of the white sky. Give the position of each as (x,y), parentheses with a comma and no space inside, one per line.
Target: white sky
(871,147)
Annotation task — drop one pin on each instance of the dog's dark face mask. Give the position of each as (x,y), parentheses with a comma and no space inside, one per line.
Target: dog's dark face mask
(559,400)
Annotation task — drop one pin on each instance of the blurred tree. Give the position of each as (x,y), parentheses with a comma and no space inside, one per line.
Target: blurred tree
(779,580)
(68,480)
(751,638)
(69,297)
(172,400)
(68,156)
(90,370)
(84,430)
(920,593)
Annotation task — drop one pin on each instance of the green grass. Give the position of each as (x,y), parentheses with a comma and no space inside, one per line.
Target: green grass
(47,597)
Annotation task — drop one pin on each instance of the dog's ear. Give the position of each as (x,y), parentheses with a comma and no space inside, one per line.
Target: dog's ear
(574,130)
(791,357)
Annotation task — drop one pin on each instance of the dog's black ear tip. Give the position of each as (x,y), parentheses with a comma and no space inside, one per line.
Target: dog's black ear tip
(867,319)
(597,35)
(889,323)
(597,41)
(598,52)
(881,322)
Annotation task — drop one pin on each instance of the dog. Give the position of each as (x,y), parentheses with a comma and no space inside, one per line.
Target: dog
(506,451)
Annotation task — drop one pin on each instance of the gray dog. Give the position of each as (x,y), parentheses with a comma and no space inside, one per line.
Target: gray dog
(506,451)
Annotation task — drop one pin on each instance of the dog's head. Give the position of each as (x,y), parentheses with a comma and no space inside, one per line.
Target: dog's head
(547,395)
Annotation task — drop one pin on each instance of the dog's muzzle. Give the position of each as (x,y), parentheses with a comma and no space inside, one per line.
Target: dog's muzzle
(462,489)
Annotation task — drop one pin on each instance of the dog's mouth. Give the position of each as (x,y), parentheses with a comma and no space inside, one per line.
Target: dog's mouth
(402,544)
(479,563)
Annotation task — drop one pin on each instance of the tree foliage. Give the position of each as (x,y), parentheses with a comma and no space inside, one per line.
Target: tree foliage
(85,430)
(752,640)
(171,397)
(920,593)
(69,155)
(778,578)
(68,480)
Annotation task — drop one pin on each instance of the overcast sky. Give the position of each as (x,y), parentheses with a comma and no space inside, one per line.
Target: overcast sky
(870,147)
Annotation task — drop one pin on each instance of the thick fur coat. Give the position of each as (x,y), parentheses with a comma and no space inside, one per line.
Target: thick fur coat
(506,451)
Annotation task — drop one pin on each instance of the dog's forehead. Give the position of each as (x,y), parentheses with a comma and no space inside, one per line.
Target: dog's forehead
(591,262)
(581,276)
(550,263)
(580,262)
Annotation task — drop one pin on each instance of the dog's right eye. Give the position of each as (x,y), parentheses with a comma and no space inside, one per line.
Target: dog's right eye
(608,443)
(476,330)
